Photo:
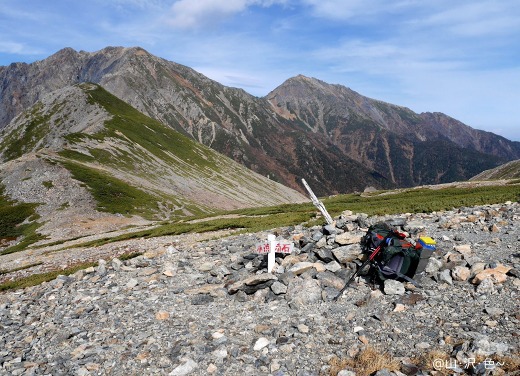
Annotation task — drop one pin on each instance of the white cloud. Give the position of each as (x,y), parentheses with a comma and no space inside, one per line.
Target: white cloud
(394,58)
(9,11)
(357,11)
(466,18)
(11,47)
(484,18)
(188,14)
(15,48)
(341,9)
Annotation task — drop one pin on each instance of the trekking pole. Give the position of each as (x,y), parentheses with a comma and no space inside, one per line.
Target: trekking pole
(370,258)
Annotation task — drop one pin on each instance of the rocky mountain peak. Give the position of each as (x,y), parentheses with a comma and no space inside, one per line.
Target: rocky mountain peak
(64,53)
(322,106)
(303,121)
(302,86)
(301,79)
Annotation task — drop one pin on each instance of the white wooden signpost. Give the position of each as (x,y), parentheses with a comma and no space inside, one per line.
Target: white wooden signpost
(271,248)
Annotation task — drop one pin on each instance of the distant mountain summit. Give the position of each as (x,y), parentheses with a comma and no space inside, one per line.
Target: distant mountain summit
(324,108)
(337,139)
(407,148)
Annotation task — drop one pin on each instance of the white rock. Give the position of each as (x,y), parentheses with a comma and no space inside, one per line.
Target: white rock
(464,249)
(278,288)
(186,368)
(486,286)
(260,343)
(445,276)
(345,372)
(393,287)
(333,266)
(211,368)
(358,329)
(301,267)
(433,266)
(132,283)
(348,238)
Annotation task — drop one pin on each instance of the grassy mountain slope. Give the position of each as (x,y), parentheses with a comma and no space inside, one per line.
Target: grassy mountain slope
(82,152)
(230,121)
(509,170)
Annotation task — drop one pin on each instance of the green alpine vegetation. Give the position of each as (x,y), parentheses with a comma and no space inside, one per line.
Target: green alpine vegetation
(114,195)
(136,166)
(19,142)
(37,279)
(128,124)
(509,170)
(17,220)
(422,200)
(380,203)
(129,163)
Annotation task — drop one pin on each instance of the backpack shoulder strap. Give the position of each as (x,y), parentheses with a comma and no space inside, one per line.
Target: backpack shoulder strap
(408,279)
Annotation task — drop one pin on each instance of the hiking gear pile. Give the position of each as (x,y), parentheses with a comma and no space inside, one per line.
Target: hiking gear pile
(391,256)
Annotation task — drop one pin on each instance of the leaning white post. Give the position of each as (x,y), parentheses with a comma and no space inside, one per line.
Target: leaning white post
(318,203)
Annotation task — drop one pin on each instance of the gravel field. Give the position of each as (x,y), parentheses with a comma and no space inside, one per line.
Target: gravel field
(200,305)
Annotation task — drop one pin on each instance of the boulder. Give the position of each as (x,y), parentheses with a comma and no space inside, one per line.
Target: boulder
(464,249)
(301,267)
(348,238)
(324,255)
(347,253)
(460,273)
(302,292)
(393,287)
(498,274)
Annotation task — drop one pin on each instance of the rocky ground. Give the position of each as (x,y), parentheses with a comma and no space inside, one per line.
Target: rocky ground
(208,307)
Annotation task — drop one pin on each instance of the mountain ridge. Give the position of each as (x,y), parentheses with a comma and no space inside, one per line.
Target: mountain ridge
(328,134)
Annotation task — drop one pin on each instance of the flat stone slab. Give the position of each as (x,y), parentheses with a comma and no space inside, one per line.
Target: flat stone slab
(250,281)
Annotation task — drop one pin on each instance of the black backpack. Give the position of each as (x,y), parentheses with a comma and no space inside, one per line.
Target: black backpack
(397,258)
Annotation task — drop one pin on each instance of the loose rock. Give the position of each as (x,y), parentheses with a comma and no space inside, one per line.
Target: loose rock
(190,306)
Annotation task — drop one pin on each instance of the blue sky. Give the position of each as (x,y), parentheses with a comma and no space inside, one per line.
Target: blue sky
(458,57)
